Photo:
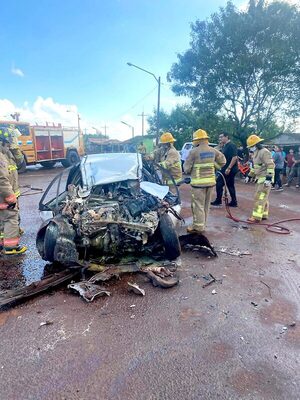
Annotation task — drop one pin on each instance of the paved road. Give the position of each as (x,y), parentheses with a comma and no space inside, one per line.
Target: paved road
(181,343)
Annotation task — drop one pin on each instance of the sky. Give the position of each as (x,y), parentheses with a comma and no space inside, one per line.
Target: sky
(60,58)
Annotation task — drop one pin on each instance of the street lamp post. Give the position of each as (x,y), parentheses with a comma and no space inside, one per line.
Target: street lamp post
(158,97)
(78,120)
(130,126)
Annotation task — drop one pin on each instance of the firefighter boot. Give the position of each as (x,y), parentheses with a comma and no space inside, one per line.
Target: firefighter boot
(12,251)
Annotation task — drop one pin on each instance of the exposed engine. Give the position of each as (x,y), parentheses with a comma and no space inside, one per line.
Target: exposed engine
(113,217)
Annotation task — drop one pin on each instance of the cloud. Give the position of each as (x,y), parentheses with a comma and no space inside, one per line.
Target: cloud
(17,72)
(48,110)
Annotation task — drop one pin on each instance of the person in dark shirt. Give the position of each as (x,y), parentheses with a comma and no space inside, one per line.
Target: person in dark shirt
(229,171)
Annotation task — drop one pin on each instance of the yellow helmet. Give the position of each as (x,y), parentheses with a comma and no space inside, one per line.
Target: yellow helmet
(253,140)
(167,137)
(199,134)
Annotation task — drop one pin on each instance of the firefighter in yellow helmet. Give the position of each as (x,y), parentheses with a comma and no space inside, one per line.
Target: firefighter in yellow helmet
(9,193)
(202,163)
(169,159)
(263,173)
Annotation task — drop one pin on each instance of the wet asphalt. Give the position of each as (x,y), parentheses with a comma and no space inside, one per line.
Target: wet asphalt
(239,339)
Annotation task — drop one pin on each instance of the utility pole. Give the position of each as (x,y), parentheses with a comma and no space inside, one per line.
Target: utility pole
(104,127)
(143,115)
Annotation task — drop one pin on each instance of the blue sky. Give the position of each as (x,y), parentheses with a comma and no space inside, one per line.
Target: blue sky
(72,54)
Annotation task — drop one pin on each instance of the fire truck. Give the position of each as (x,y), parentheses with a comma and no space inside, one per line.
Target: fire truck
(48,144)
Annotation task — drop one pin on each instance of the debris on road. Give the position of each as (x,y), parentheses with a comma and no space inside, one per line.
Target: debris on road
(51,281)
(269,288)
(45,323)
(212,280)
(197,242)
(88,290)
(166,282)
(233,252)
(292,324)
(214,291)
(254,304)
(133,287)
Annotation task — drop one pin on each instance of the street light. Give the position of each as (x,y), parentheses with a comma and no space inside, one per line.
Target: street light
(158,96)
(130,126)
(78,120)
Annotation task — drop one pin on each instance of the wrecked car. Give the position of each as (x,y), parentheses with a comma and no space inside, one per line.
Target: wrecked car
(110,205)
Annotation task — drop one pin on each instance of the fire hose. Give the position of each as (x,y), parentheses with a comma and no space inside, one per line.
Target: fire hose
(275,227)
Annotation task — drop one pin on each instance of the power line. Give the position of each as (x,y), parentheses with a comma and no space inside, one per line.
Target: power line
(137,103)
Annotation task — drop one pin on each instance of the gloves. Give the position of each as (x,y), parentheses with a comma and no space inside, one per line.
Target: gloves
(11,206)
(247,179)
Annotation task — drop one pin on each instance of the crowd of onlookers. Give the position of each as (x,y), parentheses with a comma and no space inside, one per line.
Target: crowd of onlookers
(286,164)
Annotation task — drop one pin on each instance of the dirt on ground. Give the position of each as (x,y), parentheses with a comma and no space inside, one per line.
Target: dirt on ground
(238,338)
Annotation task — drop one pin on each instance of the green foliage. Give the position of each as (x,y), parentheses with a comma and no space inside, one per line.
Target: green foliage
(182,121)
(244,65)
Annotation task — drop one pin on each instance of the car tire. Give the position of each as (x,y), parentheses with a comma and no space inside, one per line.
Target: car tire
(72,159)
(48,164)
(169,237)
(50,238)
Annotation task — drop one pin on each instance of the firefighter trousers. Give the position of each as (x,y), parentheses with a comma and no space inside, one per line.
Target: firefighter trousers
(201,198)
(9,227)
(261,202)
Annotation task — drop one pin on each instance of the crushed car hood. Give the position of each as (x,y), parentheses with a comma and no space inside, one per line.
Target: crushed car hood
(100,169)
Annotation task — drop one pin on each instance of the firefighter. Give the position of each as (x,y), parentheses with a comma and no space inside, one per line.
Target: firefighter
(9,193)
(202,163)
(263,173)
(170,161)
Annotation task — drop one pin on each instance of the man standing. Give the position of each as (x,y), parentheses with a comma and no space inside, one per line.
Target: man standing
(279,164)
(295,170)
(9,193)
(229,171)
(263,172)
(201,163)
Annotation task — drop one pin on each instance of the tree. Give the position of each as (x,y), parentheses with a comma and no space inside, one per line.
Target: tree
(244,65)
(182,121)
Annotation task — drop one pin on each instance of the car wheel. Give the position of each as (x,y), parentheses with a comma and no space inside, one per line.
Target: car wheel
(48,164)
(50,238)
(169,237)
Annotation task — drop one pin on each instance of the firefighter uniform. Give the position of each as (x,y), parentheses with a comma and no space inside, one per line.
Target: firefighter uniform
(202,163)
(263,173)
(9,193)
(169,159)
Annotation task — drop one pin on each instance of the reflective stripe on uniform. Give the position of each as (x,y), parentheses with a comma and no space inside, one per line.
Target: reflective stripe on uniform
(169,182)
(204,165)
(262,196)
(18,193)
(12,167)
(261,179)
(203,181)
(208,176)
